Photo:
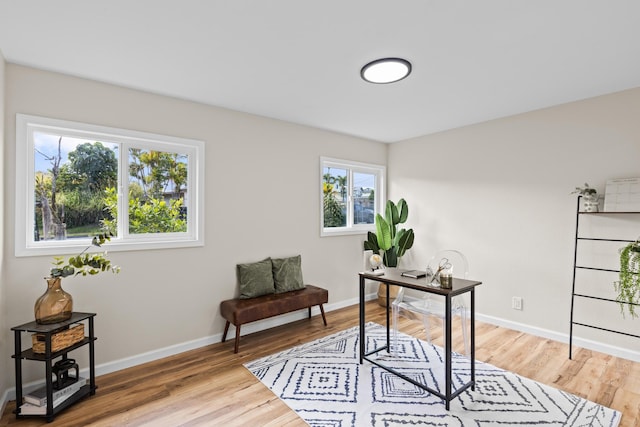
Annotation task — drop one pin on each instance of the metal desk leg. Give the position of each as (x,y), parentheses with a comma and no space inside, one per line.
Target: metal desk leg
(473,339)
(361,319)
(447,357)
(388,335)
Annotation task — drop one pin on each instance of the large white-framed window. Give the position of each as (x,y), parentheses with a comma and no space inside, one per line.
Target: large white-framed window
(351,194)
(74,180)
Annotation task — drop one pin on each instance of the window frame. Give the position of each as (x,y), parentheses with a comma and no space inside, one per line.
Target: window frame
(27,125)
(379,171)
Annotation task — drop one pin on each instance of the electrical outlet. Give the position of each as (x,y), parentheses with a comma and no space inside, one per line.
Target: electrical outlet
(516,303)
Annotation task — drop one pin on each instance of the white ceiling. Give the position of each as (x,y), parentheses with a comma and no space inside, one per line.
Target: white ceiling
(299,60)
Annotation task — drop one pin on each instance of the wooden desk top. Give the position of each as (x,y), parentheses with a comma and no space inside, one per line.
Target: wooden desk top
(392,276)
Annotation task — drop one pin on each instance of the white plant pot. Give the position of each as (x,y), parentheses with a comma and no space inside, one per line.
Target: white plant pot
(590,204)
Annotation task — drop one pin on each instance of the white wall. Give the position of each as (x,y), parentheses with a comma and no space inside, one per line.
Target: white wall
(499,192)
(261,200)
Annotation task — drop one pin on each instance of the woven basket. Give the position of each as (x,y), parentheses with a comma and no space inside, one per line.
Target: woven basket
(59,340)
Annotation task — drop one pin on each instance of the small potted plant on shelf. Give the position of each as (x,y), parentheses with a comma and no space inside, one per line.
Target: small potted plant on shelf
(589,196)
(628,287)
(56,305)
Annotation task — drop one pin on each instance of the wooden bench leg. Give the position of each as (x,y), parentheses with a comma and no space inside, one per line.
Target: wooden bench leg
(226,329)
(235,350)
(324,319)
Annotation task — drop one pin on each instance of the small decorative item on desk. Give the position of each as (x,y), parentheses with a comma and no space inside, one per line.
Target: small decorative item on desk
(443,275)
(375,261)
(414,274)
(589,197)
(56,305)
(446,278)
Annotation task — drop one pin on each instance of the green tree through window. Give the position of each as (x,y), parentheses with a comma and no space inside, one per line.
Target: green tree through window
(350,196)
(147,189)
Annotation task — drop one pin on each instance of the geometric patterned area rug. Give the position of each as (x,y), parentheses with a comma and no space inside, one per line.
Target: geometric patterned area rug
(325,385)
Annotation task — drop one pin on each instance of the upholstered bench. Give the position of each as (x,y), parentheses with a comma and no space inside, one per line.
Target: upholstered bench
(240,311)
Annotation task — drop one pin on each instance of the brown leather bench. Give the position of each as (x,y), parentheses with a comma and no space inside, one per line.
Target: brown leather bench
(241,311)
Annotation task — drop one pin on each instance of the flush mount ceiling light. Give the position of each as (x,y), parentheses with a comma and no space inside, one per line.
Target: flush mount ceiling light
(386,70)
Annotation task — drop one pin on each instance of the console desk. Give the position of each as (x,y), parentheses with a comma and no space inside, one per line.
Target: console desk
(459,287)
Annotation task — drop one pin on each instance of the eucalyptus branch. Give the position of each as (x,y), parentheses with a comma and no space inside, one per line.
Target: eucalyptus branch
(85,263)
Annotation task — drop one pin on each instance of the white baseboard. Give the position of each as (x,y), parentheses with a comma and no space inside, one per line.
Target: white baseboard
(564,338)
(128,362)
(6,398)
(250,328)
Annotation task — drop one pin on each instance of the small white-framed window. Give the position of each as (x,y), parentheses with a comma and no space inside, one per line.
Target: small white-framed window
(351,194)
(75,180)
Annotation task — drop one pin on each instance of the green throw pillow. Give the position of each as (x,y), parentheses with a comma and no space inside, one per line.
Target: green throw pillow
(287,274)
(256,279)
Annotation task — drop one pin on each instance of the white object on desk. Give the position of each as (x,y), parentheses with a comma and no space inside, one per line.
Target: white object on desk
(378,272)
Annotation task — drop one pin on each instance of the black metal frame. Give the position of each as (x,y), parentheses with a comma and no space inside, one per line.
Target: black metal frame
(448,294)
(48,356)
(576,267)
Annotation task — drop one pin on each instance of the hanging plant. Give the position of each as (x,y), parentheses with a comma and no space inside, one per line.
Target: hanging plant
(628,287)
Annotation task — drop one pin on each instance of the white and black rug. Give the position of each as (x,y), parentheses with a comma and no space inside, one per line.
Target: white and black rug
(324,383)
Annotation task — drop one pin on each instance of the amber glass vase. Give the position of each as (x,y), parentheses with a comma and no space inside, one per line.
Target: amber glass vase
(55,305)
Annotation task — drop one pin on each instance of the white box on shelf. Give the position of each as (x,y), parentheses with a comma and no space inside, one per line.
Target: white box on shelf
(38,397)
(622,195)
(31,409)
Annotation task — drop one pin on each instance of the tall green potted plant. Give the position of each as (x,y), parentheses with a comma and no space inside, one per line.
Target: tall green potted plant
(390,240)
(387,238)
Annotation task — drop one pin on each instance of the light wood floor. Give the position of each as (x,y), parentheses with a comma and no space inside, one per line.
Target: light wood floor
(210,387)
